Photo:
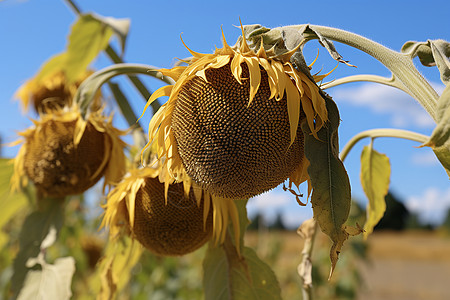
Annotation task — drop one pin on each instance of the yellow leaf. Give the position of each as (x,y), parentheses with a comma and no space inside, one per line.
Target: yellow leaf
(375,177)
(121,256)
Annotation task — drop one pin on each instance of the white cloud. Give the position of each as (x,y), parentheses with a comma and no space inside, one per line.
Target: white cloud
(277,201)
(431,206)
(424,158)
(271,200)
(382,99)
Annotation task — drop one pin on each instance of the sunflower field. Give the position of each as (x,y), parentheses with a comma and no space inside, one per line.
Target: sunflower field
(158,210)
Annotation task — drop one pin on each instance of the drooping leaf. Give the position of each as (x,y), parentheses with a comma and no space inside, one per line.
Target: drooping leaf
(232,274)
(241,206)
(119,26)
(228,276)
(440,137)
(88,37)
(331,196)
(10,204)
(53,65)
(52,282)
(34,230)
(375,177)
(431,53)
(114,269)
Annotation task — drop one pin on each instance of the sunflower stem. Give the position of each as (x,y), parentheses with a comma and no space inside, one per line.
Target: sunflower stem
(382,132)
(112,54)
(400,64)
(367,78)
(305,267)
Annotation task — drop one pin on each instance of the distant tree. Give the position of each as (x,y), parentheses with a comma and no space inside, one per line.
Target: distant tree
(446,224)
(255,222)
(277,224)
(396,215)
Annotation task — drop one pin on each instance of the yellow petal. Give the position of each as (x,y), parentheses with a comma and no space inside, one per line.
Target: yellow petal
(162,91)
(255,76)
(293,106)
(236,68)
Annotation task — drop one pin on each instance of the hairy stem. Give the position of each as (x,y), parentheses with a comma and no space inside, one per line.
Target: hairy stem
(401,65)
(382,132)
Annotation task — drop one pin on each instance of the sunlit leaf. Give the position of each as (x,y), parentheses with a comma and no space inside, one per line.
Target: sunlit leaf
(53,65)
(119,26)
(88,37)
(52,282)
(331,196)
(114,269)
(375,177)
(34,230)
(228,276)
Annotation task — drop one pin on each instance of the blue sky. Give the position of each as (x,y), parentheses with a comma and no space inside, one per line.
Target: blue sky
(32,31)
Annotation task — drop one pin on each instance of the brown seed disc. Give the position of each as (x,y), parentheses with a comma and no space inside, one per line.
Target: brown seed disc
(56,166)
(229,148)
(54,98)
(172,229)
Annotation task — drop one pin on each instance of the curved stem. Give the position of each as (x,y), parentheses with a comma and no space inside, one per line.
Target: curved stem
(382,132)
(399,64)
(366,78)
(90,85)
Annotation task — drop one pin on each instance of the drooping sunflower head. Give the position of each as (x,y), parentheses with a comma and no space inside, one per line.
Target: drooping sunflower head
(63,154)
(174,225)
(232,120)
(49,93)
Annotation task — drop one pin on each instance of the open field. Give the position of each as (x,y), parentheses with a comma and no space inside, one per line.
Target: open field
(407,266)
(400,266)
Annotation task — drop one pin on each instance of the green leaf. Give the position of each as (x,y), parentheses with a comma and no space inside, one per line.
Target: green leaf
(431,53)
(375,177)
(52,282)
(34,230)
(228,276)
(331,196)
(10,204)
(119,26)
(440,137)
(114,268)
(89,36)
(53,65)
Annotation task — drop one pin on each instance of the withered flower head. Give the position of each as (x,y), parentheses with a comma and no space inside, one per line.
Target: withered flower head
(63,154)
(231,123)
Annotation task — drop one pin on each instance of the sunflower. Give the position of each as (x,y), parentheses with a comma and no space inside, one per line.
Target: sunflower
(174,225)
(231,123)
(50,92)
(63,154)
